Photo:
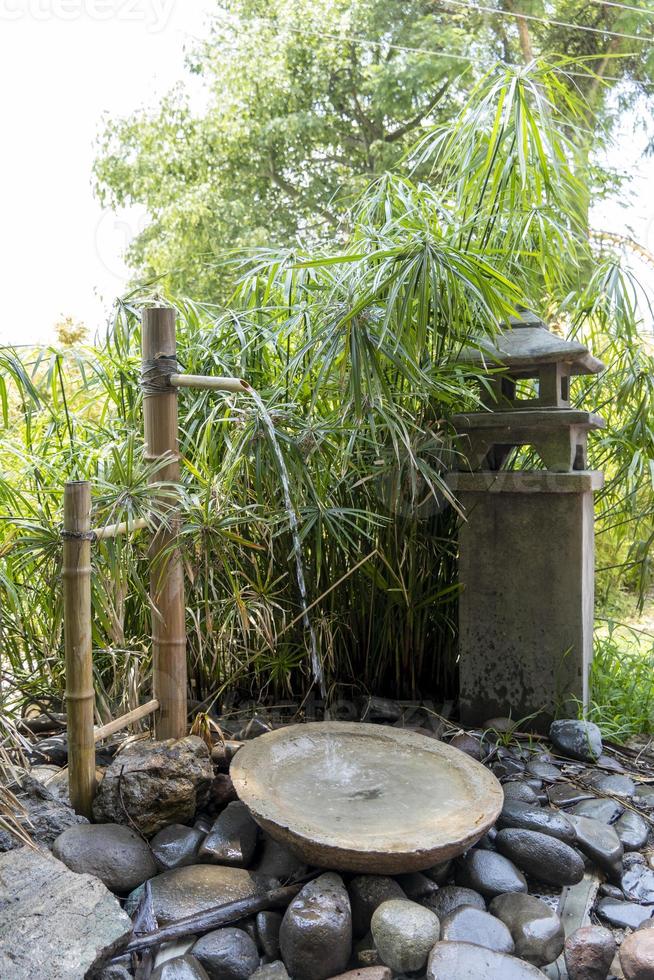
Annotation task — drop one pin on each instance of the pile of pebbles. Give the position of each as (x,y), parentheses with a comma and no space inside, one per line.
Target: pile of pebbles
(574,821)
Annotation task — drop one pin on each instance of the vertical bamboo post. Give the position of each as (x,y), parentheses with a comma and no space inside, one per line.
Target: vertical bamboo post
(80,699)
(166,574)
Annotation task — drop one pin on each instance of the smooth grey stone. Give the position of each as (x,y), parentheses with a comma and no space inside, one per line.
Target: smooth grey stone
(599,842)
(268,925)
(544,857)
(367,892)
(464,961)
(490,873)
(645,794)
(152,784)
(544,770)
(451,897)
(233,838)
(631,858)
(606,811)
(524,817)
(623,915)
(632,830)
(577,739)
(565,794)
(203,822)
(54,923)
(536,930)
(647,924)
(521,791)
(637,883)
(404,932)
(614,784)
(176,846)
(113,853)
(468,925)
(316,932)
(508,768)
(196,888)
(271,971)
(440,872)
(487,842)
(468,744)
(278,861)
(365,952)
(185,967)
(227,954)
(115,971)
(589,953)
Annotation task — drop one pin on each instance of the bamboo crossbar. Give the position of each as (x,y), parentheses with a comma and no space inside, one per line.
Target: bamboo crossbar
(129,718)
(206,381)
(115,530)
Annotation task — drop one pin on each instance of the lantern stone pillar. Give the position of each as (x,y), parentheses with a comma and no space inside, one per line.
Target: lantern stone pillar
(526,539)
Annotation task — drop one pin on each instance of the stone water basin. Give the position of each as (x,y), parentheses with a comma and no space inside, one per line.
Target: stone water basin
(366,798)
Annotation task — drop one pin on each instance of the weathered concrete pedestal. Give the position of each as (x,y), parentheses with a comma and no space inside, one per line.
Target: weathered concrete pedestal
(526,555)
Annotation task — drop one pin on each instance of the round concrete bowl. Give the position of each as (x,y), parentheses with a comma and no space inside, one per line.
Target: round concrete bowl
(365,798)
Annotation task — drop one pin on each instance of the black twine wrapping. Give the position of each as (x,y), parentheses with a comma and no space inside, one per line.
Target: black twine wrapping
(155,374)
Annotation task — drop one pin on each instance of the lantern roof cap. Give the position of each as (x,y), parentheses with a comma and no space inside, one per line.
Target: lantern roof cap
(525,342)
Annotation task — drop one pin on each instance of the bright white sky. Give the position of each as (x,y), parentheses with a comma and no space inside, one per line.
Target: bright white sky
(63,64)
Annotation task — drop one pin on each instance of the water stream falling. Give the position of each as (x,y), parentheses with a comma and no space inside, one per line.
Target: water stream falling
(316,667)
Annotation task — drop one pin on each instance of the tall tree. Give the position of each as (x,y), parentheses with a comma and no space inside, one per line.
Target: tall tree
(310,99)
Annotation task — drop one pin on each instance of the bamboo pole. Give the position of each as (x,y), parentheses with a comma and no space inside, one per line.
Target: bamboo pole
(115,530)
(129,718)
(80,700)
(166,573)
(237,385)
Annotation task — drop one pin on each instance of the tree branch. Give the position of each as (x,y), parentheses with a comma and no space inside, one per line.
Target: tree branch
(295,193)
(401,131)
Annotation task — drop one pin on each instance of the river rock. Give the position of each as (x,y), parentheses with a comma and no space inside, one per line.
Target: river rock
(520,791)
(113,853)
(645,794)
(468,744)
(189,890)
(589,953)
(637,882)
(637,955)
(623,915)
(464,961)
(565,794)
(232,839)
(451,897)
(439,872)
(404,932)
(267,926)
(367,892)
(613,784)
(632,830)
(490,873)
(523,817)
(606,811)
(271,971)
(599,842)
(577,739)
(468,925)
(366,973)
(316,931)
(221,792)
(277,861)
(185,967)
(152,784)
(544,857)
(543,770)
(227,954)
(42,815)
(54,923)
(535,929)
(176,846)
(416,886)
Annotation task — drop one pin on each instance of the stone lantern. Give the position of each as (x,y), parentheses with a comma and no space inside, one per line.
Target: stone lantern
(526,543)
